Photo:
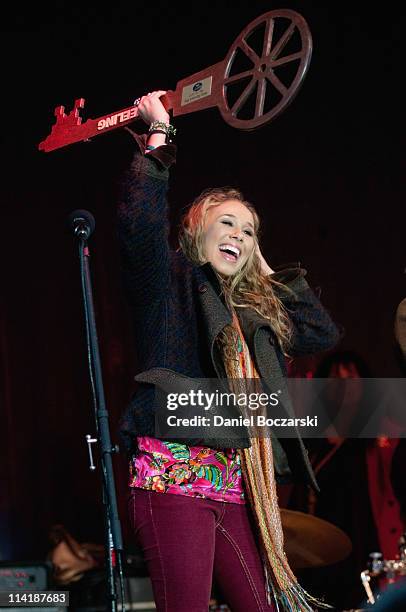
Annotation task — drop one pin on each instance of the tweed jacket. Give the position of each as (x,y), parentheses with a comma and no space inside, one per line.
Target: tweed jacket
(178,313)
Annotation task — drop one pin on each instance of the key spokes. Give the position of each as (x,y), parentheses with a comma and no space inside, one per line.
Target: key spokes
(278,45)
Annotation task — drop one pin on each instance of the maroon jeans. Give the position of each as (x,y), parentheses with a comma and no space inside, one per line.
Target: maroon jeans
(188,541)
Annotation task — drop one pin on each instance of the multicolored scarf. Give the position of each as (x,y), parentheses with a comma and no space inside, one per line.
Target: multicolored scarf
(258,472)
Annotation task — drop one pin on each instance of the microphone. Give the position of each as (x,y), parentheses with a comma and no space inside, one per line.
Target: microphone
(82,223)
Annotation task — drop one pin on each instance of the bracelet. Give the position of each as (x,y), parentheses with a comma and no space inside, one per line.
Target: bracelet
(166,128)
(150,148)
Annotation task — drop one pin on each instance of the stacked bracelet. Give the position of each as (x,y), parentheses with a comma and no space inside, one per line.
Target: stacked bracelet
(160,127)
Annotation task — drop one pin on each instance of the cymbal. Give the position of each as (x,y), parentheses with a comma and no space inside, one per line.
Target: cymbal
(311,541)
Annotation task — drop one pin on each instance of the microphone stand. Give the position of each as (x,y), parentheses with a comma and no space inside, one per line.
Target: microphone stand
(83,225)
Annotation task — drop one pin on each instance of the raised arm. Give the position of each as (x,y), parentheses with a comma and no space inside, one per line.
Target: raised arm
(142,212)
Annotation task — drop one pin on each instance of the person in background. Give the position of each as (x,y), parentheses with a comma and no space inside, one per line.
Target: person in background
(357,491)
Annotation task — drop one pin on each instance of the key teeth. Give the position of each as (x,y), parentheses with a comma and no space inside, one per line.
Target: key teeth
(79,103)
(73,117)
(59,113)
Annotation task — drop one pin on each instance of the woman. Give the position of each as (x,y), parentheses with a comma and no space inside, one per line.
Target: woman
(208,508)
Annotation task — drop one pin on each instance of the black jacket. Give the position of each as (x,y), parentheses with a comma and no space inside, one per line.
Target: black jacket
(178,314)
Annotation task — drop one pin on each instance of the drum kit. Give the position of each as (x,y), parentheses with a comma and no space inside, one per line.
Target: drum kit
(382,573)
(311,542)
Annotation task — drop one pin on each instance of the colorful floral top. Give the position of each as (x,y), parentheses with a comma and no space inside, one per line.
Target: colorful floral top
(194,471)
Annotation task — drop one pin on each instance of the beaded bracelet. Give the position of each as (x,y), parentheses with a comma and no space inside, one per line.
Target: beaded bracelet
(166,128)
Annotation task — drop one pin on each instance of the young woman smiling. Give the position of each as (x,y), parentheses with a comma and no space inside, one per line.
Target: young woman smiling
(207,509)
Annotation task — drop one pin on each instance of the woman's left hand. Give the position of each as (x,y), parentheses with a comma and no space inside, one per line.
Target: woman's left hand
(150,107)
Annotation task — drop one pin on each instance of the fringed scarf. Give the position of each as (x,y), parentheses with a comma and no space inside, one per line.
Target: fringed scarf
(259,478)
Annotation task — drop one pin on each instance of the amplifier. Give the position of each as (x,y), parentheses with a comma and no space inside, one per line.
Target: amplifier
(31,576)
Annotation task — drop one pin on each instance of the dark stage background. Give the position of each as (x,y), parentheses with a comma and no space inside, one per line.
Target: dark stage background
(326,176)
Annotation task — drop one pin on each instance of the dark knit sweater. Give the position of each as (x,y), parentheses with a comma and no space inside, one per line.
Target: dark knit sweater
(178,311)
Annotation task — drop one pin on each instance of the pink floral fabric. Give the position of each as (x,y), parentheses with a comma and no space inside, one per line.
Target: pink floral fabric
(194,471)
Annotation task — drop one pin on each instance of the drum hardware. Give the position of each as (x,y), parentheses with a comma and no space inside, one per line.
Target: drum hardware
(389,569)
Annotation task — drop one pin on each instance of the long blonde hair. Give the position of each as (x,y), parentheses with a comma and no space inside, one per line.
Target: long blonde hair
(248,288)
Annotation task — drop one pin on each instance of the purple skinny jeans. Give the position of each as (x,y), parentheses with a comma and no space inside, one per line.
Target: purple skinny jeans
(188,541)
